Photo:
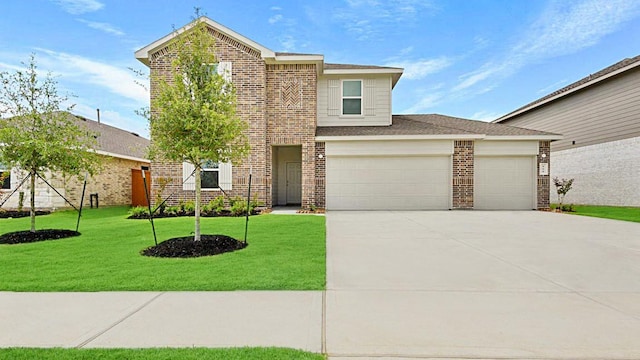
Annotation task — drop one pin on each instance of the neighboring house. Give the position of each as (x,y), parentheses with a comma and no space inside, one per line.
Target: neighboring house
(324,135)
(599,117)
(118,183)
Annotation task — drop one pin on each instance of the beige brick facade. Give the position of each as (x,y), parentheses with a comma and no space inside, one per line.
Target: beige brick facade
(291,119)
(278,101)
(112,184)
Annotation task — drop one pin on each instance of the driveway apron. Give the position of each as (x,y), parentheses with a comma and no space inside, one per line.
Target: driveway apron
(482,284)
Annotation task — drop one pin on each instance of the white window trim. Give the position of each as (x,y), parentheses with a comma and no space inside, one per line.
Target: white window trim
(343,97)
(217,169)
(225,177)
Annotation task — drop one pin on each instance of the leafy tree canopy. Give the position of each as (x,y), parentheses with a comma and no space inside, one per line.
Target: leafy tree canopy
(193,113)
(35,134)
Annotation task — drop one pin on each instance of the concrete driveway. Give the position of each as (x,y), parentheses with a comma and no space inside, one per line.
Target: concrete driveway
(474,284)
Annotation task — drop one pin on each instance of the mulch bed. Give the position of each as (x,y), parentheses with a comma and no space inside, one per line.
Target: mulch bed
(6,214)
(308,211)
(185,247)
(224,213)
(22,237)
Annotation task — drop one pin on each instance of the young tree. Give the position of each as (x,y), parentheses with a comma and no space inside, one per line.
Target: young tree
(562,188)
(35,135)
(193,115)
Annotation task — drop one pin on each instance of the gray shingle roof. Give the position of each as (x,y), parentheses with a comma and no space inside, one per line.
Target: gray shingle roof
(429,124)
(115,140)
(599,74)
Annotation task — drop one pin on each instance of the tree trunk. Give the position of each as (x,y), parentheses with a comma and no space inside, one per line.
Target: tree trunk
(196,236)
(32,174)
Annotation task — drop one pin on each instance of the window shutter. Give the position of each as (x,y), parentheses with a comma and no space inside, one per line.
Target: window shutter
(225,176)
(224,69)
(13,178)
(369,97)
(189,182)
(333,94)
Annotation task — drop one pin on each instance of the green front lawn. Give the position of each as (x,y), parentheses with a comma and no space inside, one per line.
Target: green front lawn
(285,252)
(609,212)
(157,354)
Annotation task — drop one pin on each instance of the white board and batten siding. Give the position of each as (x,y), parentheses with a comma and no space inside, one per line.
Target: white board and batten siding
(376,101)
(224,176)
(505,175)
(388,175)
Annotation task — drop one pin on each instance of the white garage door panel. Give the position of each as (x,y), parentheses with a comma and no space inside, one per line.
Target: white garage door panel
(388,183)
(504,183)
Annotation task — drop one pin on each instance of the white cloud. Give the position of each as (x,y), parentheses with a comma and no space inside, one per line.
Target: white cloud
(275,8)
(288,29)
(117,80)
(365,19)
(564,28)
(77,7)
(6,67)
(553,87)
(415,70)
(428,101)
(288,42)
(485,115)
(105,27)
(477,76)
(406,51)
(275,18)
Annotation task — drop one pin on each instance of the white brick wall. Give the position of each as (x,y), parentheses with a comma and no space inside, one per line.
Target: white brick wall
(605,174)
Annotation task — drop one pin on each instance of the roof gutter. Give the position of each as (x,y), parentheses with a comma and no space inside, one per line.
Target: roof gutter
(550,137)
(125,157)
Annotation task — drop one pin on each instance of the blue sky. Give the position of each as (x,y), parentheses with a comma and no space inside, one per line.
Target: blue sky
(473,59)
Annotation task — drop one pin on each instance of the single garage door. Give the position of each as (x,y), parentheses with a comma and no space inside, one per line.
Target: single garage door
(388,182)
(504,183)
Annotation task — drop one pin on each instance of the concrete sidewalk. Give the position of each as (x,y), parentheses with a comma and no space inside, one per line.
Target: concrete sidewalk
(290,319)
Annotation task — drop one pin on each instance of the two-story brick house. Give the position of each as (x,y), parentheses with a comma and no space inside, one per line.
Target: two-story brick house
(323,134)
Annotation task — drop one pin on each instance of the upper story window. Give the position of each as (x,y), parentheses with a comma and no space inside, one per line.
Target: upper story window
(351,97)
(210,175)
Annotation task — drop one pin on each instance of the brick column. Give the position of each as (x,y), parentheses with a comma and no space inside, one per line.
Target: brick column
(462,179)
(320,175)
(544,148)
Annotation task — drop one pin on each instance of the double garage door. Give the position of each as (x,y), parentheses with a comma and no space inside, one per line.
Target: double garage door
(424,182)
(388,182)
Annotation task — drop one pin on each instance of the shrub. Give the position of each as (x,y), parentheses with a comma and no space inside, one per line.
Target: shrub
(217,204)
(189,207)
(238,206)
(138,212)
(172,210)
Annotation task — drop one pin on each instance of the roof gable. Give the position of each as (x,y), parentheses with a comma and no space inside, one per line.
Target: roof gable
(590,80)
(144,53)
